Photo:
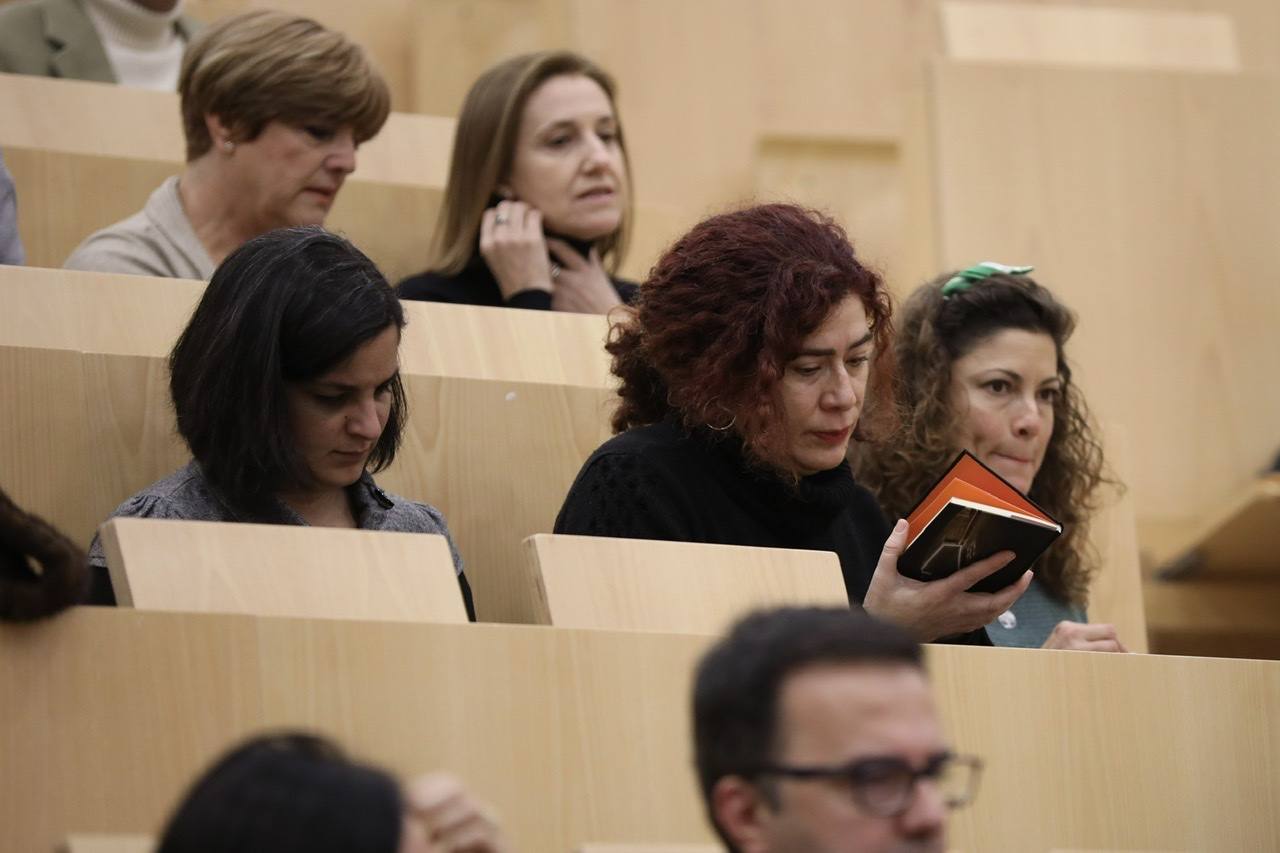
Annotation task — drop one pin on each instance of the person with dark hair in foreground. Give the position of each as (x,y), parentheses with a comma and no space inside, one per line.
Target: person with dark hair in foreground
(815,730)
(298,793)
(26,594)
(745,371)
(286,386)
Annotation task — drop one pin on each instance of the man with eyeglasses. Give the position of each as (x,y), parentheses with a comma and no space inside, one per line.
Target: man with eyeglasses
(816,732)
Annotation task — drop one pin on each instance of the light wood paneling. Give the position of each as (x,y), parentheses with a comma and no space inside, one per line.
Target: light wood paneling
(583,735)
(84,155)
(1091,37)
(92,311)
(43,443)
(499,343)
(674,587)
(1147,204)
(1115,591)
(277,570)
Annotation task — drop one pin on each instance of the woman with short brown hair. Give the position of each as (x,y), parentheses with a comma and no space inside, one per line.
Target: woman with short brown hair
(273,109)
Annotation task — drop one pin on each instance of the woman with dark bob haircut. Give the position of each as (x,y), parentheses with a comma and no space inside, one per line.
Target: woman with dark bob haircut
(755,344)
(982,362)
(286,386)
(298,793)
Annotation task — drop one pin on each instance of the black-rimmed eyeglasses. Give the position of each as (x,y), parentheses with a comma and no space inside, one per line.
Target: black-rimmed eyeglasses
(885,786)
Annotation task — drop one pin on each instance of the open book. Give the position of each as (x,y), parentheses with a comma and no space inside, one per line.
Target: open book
(969,515)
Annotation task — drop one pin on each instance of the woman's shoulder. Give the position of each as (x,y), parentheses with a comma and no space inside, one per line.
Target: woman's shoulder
(657,443)
(468,287)
(184,494)
(400,514)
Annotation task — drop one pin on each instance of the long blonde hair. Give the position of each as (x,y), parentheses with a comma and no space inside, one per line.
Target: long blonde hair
(484,146)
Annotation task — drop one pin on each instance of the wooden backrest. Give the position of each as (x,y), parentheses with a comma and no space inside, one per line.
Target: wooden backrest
(279,570)
(84,155)
(674,587)
(1115,590)
(577,736)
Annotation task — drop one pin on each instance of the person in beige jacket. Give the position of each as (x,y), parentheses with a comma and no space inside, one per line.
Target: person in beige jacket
(131,42)
(273,109)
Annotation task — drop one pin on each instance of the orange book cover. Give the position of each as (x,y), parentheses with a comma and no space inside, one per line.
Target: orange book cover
(969,515)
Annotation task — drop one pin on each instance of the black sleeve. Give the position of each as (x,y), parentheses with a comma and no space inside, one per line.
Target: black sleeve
(425,287)
(626,496)
(627,290)
(534,299)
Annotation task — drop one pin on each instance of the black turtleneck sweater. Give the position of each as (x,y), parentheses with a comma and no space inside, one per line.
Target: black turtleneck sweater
(662,482)
(475,285)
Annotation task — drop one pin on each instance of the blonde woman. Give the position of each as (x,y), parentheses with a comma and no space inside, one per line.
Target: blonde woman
(273,109)
(539,197)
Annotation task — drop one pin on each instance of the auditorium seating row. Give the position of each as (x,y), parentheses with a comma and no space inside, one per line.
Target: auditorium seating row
(582,736)
(504,408)
(1129,173)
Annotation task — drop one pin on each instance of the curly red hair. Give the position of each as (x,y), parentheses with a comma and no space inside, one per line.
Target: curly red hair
(726,308)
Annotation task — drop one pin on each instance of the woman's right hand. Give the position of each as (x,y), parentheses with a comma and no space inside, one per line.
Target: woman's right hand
(940,608)
(512,244)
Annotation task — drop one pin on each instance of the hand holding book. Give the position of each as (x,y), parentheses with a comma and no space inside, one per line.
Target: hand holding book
(940,608)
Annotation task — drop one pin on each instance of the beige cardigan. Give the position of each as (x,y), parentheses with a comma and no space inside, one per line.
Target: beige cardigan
(158,241)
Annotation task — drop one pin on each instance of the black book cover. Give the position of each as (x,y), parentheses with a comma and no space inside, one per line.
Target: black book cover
(964,532)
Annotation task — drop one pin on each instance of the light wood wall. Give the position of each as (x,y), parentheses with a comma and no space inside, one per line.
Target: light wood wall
(584,735)
(1151,210)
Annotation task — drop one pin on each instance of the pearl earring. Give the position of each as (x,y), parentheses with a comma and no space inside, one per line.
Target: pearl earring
(228,145)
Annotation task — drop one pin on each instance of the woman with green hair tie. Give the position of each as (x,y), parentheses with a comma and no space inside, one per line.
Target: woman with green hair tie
(982,367)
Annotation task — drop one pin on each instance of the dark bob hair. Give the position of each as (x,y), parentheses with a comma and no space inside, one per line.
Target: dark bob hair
(285,307)
(726,308)
(287,793)
(737,684)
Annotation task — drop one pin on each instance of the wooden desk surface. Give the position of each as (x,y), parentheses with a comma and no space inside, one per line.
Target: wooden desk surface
(582,736)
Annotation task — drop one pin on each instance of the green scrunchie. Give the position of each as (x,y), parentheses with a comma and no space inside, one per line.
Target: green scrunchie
(963,280)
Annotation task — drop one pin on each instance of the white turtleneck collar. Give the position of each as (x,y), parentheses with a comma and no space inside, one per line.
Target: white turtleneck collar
(144,47)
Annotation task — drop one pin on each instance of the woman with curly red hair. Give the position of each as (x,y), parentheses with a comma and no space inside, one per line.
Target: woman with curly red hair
(744,371)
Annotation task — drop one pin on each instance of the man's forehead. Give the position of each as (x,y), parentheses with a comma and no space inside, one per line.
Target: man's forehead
(834,712)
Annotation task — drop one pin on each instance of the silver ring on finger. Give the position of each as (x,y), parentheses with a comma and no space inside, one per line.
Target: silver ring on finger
(555,271)
(500,219)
